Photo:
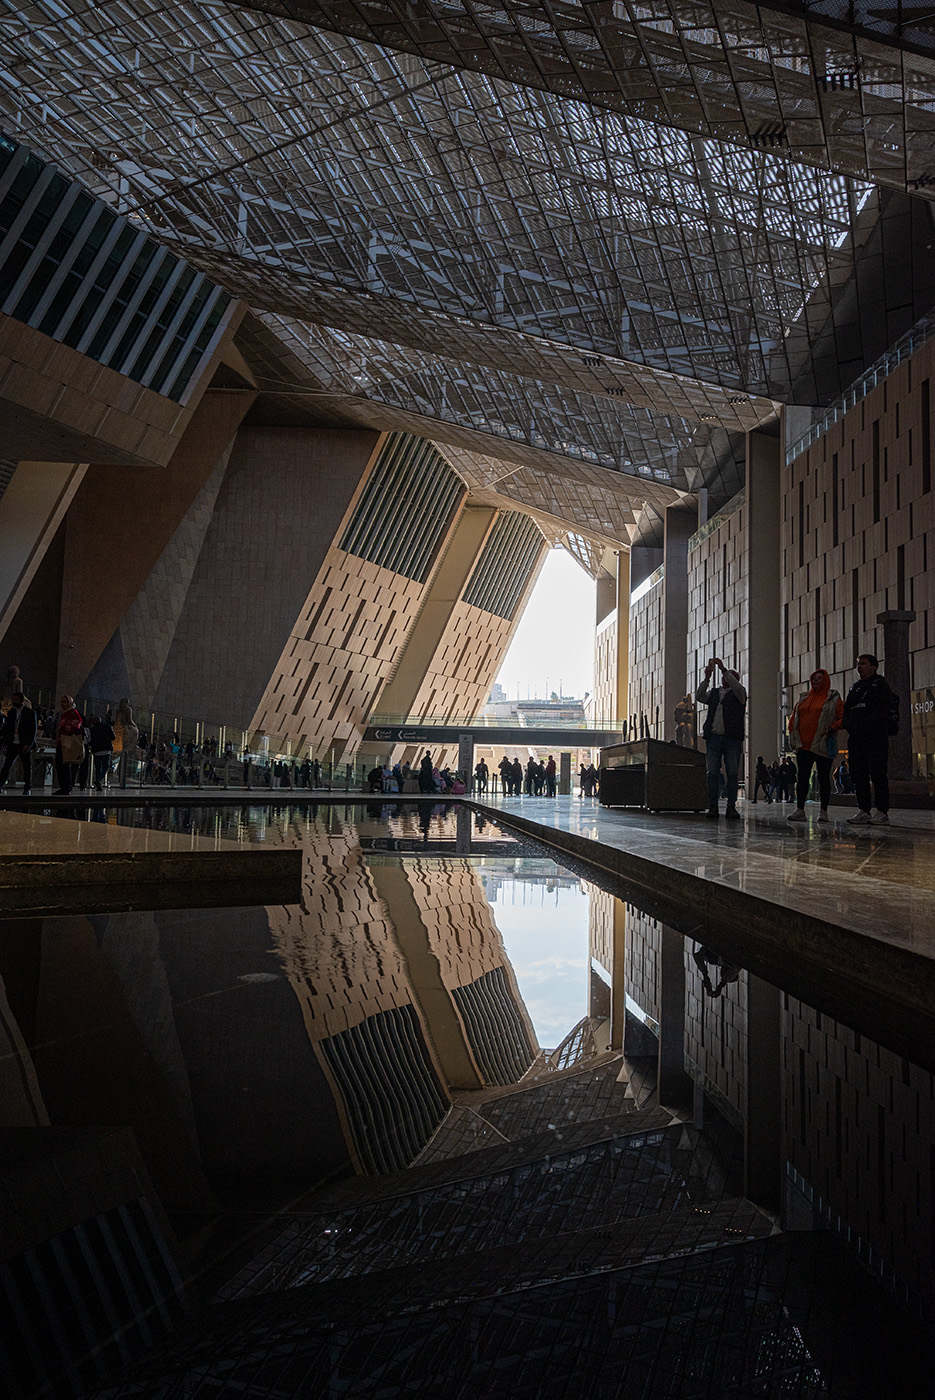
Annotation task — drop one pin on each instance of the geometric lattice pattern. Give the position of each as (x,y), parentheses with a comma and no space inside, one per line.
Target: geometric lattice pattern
(604,284)
(819,79)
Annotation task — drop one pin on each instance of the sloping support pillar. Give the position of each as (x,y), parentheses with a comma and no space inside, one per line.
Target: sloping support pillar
(31,509)
(764,607)
(444,1029)
(464,546)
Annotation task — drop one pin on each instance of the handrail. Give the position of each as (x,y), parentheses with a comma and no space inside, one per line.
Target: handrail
(907,344)
(709,527)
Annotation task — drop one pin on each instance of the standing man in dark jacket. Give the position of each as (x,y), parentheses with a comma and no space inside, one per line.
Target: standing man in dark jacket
(723,733)
(18,734)
(867,711)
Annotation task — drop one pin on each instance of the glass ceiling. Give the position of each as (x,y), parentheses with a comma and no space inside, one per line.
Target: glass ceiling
(558,275)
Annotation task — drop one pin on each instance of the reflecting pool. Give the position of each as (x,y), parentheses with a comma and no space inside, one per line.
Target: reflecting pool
(514,1049)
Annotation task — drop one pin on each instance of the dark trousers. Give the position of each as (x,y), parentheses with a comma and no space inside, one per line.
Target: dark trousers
(66,773)
(867,760)
(804,759)
(14,752)
(719,747)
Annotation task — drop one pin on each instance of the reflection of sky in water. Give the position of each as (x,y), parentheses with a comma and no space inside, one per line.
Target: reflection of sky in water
(545,929)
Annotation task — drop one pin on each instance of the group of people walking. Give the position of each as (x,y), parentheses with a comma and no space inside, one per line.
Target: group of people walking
(84,746)
(869,714)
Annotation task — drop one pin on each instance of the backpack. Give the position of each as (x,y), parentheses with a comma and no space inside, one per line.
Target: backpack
(892,715)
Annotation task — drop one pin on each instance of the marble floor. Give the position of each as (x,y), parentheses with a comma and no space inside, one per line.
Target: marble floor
(877,880)
(56,865)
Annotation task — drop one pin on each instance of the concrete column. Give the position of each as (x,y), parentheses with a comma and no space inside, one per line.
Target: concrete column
(622,698)
(466,758)
(31,509)
(896,670)
(764,604)
(564,775)
(681,524)
(674,1085)
(761,1157)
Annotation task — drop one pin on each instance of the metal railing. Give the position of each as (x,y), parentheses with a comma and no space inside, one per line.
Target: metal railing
(917,336)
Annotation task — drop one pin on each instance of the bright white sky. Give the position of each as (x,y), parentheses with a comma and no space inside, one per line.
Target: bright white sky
(546,938)
(555,638)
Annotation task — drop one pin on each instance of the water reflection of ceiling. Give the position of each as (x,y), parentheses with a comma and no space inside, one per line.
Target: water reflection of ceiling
(488,223)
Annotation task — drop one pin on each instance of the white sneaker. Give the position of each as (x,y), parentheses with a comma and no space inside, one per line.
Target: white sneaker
(797,816)
(861,819)
(823,815)
(880,818)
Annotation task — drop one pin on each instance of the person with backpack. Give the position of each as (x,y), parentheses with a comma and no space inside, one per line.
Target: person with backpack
(871,715)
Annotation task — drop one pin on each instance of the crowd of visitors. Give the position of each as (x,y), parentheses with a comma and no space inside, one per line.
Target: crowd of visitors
(427,778)
(86,748)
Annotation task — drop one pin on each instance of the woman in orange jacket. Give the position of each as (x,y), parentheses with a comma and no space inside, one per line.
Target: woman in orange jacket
(813,726)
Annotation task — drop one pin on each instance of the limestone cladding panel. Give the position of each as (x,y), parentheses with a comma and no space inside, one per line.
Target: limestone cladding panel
(148,629)
(601,928)
(716,1035)
(458,920)
(341,650)
(338,945)
(858,532)
(718,600)
(118,526)
(646,652)
(282,501)
(857,1124)
(643,951)
(604,704)
(467,659)
(52,394)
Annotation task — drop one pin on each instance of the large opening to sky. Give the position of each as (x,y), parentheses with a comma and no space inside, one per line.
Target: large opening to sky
(553,649)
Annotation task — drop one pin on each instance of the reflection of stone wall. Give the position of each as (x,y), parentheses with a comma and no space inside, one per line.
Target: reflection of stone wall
(716,1035)
(857,1128)
(338,945)
(463,937)
(21,1103)
(458,919)
(601,927)
(643,949)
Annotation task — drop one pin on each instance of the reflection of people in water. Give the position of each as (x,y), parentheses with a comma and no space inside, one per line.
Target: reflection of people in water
(727,973)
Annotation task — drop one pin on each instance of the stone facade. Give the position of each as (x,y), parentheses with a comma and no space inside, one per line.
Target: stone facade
(718,612)
(858,532)
(602,705)
(646,655)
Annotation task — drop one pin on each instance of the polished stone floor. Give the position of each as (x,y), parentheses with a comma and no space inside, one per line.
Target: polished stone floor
(876,880)
(79,861)
(26,833)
